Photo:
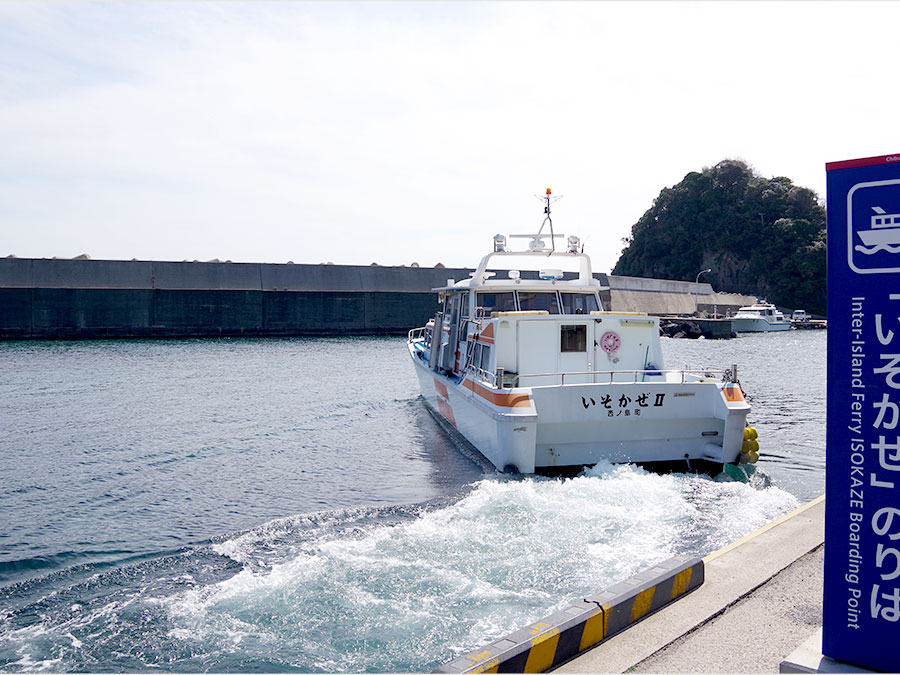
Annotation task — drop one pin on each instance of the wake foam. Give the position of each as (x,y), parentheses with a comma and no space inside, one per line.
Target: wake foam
(383,589)
(410,595)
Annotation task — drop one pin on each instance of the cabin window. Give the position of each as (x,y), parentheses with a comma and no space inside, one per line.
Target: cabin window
(476,355)
(539,301)
(485,358)
(454,309)
(579,303)
(573,338)
(497,302)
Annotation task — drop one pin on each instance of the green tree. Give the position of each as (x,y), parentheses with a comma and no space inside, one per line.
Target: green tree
(759,236)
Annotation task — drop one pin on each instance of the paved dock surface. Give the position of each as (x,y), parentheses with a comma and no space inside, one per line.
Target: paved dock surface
(762,598)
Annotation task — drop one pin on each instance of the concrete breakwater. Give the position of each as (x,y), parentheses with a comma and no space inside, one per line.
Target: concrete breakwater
(59,298)
(106,298)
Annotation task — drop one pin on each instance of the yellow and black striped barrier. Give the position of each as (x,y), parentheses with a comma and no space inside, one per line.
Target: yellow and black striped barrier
(558,637)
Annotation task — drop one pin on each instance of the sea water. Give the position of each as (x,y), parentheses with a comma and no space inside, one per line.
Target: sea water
(291,505)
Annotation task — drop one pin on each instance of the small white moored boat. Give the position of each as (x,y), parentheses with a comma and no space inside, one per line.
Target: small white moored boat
(525,364)
(759,318)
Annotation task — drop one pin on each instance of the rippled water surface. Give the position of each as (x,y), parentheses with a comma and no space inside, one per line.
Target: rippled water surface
(783,376)
(275,505)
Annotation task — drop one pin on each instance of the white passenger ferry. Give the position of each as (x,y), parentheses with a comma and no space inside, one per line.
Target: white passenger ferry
(522,360)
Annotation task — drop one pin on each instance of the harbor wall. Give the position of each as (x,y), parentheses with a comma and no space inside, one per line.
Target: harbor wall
(664,297)
(62,298)
(42,298)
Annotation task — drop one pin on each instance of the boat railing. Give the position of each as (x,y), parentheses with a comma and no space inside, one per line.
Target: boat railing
(485,376)
(416,334)
(634,376)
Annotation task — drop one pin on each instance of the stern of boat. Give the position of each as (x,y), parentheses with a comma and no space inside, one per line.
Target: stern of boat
(639,422)
(516,441)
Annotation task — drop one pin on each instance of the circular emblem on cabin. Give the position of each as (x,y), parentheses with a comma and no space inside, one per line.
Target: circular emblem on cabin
(609,342)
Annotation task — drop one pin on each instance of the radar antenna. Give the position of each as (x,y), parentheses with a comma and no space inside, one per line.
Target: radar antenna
(548,199)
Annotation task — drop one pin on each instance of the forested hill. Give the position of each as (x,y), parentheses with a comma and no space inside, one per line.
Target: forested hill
(759,236)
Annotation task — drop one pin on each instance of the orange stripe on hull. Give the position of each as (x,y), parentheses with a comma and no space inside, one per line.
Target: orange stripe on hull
(486,337)
(441,389)
(445,410)
(443,401)
(503,400)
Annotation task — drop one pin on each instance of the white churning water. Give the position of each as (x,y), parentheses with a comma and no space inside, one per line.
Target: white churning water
(407,596)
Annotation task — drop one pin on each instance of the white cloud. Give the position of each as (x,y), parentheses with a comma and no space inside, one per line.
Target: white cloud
(393,132)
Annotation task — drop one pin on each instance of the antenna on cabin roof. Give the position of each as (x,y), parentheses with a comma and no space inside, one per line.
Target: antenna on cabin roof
(536,242)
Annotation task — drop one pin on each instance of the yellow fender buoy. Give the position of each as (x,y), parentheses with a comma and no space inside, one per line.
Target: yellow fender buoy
(750,446)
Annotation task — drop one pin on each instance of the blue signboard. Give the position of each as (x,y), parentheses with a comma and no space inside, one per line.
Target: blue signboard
(861,609)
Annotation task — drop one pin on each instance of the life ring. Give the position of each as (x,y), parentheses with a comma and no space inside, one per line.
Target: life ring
(610,342)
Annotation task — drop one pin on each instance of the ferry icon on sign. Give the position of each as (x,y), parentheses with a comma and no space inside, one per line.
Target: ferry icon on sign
(884,235)
(873,234)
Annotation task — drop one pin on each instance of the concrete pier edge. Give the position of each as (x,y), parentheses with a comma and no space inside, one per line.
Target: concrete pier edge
(613,631)
(555,639)
(731,574)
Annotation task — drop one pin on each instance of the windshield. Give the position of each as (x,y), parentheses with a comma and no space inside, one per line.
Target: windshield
(530,301)
(497,302)
(579,303)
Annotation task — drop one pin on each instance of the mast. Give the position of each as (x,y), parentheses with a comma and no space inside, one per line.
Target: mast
(548,199)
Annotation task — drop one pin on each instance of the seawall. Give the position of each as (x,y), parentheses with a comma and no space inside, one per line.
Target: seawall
(60,298)
(42,298)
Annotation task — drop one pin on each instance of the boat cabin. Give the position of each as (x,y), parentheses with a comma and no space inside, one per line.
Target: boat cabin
(524,323)
(760,311)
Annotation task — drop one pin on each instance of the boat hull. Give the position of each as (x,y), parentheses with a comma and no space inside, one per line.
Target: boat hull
(754,325)
(544,428)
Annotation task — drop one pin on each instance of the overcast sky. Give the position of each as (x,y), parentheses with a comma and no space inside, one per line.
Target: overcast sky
(399,132)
